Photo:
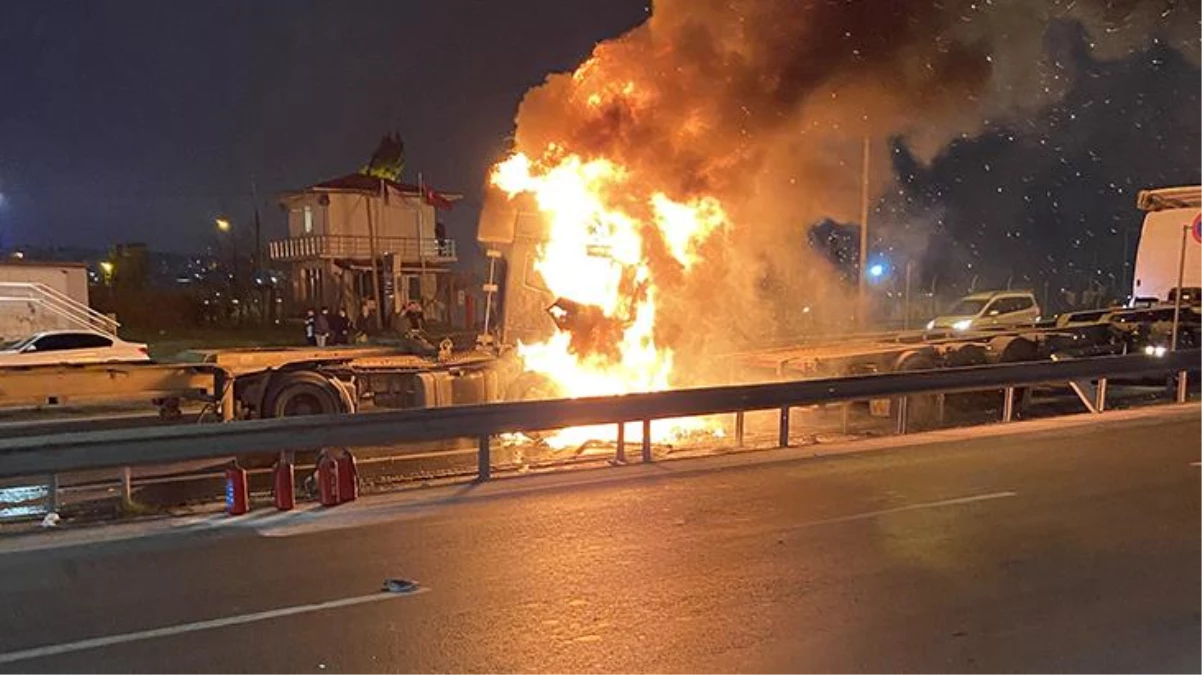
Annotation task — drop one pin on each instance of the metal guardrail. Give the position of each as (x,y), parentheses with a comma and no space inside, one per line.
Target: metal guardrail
(79,451)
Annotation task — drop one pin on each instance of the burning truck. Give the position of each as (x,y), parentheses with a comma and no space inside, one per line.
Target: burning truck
(650,191)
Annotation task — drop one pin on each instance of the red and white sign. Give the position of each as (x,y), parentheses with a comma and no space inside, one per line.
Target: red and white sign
(1197,228)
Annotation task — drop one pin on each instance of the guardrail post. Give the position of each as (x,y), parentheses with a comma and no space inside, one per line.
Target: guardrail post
(1182,386)
(740,428)
(940,408)
(52,493)
(127,486)
(1100,396)
(903,415)
(1008,404)
(646,440)
(484,459)
(784,427)
(845,414)
(226,385)
(620,450)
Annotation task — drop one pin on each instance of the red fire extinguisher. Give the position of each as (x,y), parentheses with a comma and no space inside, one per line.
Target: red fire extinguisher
(284,485)
(327,479)
(348,477)
(237,497)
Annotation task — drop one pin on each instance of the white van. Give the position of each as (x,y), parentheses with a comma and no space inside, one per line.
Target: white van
(1157,260)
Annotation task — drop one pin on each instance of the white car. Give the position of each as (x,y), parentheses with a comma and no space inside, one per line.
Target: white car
(71,347)
(989,309)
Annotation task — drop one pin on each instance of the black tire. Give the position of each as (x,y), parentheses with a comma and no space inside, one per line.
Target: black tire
(1018,350)
(297,394)
(532,387)
(922,410)
(294,395)
(968,355)
(169,408)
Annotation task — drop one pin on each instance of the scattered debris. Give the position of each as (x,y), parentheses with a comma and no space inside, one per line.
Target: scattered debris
(399,586)
(51,520)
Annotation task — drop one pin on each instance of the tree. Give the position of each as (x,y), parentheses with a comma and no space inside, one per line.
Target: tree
(388,161)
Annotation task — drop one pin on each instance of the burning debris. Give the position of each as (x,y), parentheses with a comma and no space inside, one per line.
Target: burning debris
(685,160)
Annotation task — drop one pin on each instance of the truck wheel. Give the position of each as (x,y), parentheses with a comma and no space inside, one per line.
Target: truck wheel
(1017,350)
(169,408)
(532,387)
(303,394)
(293,395)
(968,355)
(922,409)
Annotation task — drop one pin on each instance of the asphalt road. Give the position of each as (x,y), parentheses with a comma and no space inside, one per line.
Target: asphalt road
(1057,546)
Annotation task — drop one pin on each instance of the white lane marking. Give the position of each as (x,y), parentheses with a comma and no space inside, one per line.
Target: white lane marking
(180,629)
(911,507)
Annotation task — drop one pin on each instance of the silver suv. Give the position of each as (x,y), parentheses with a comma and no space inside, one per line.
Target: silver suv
(989,309)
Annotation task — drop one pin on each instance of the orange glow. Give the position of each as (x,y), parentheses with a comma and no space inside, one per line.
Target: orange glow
(596,255)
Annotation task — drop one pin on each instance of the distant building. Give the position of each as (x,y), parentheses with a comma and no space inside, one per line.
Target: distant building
(336,228)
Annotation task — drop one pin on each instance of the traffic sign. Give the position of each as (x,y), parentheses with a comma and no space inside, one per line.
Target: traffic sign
(1197,228)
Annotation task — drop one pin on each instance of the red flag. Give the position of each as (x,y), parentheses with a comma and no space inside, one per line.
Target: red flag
(433,198)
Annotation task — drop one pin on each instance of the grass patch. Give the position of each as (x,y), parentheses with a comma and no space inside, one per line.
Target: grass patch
(165,344)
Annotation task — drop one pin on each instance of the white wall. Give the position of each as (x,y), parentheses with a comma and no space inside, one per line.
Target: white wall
(398,217)
(71,280)
(317,219)
(19,318)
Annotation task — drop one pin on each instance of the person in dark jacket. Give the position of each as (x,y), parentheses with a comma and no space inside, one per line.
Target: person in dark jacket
(415,316)
(340,328)
(310,327)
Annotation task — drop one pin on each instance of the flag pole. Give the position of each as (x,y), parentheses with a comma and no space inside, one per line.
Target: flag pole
(421,246)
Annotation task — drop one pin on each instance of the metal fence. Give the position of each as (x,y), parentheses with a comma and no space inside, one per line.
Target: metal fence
(348,246)
(59,453)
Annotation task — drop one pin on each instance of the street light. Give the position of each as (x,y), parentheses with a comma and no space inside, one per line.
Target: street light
(107,268)
(223,224)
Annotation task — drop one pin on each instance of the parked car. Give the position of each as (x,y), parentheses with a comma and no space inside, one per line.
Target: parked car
(71,347)
(989,309)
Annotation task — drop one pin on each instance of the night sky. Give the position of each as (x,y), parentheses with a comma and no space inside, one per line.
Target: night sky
(1050,199)
(142,121)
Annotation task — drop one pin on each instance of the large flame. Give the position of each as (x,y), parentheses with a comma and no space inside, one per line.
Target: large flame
(595,259)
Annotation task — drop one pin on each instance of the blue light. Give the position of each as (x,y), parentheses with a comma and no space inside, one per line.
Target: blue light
(876,270)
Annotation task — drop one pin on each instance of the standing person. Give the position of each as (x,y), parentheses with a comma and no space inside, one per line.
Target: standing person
(340,327)
(310,327)
(321,326)
(415,316)
(364,314)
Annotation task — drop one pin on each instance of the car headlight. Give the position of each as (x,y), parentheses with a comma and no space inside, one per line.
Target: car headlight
(931,324)
(1155,350)
(963,324)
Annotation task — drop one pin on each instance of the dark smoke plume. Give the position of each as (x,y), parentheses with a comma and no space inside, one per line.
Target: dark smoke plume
(764,105)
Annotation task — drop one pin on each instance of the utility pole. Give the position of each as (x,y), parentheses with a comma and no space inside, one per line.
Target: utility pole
(421,243)
(1180,279)
(375,268)
(862,298)
(265,308)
